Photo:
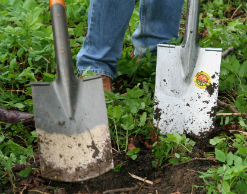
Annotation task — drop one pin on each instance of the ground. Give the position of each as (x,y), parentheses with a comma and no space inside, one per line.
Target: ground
(167,179)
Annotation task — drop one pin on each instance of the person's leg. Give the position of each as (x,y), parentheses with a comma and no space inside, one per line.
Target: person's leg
(159,22)
(107,23)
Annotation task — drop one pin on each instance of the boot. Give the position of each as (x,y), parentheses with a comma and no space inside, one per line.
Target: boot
(107,83)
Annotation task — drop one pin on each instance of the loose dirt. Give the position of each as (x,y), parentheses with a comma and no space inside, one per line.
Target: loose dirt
(167,179)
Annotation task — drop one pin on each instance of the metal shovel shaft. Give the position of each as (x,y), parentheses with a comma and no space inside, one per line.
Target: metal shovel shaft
(190,47)
(65,72)
(64,61)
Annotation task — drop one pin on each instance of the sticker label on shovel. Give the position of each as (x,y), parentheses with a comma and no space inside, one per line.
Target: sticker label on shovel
(202,80)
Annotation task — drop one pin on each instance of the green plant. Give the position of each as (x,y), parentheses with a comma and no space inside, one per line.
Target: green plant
(128,114)
(143,70)
(231,177)
(172,147)
(227,143)
(26,46)
(221,22)
(133,153)
(12,153)
(118,167)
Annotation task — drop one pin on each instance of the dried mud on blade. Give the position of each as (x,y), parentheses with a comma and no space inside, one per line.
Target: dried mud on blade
(187,80)
(70,116)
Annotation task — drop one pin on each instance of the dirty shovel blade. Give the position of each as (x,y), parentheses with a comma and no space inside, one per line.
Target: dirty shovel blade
(72,147)
(186,106)
(187,80)
(70,116)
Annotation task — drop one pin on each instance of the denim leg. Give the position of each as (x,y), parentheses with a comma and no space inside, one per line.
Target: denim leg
(159,22)
(102,47)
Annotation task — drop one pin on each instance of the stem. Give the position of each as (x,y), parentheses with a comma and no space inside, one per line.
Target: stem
(129,30)
(236,11)
(127,139)
(222,179)
(2,91)
(116,134)
(185,148)
(232,181)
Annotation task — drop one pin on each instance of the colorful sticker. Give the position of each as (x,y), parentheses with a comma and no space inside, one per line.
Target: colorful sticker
(202,80)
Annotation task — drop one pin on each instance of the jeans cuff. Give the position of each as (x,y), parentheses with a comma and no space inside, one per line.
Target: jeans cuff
(98,72)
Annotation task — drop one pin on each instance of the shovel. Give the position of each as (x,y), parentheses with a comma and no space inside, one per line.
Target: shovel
(187,81)
(70,116)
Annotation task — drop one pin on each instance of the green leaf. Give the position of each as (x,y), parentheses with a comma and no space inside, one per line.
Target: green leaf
(236,66)
(129,153)
(136,150)
(53,76)
(1,138)
(29,5)
(19,105)
(30,62)
(134,110)
(183,159)
(136,92)
(133,157)
(29,90)
(143,119)
(243,69)
(23,159)
(173,160)
(39,34)
(216,140)
(35,26)
(25,172)
(227,120)
(242,186)
(79,29)
(20,52)
(116,112)
(220,155)
(117,168)
(178,137)
(34,134)
(128,122)
(177,155)
(238,161)
(124,127)
(29,152)
(9,163)
(226,187)
(170,138)
(29,102)
(229,158)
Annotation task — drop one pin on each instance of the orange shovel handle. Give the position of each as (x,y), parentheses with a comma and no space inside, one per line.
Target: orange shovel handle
(52,2)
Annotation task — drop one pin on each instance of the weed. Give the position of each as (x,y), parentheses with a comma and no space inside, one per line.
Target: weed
(231,177)
(128,114)
(133,153)
(172,147)
(12,153)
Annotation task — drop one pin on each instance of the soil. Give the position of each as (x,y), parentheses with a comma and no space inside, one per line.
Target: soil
(167,179)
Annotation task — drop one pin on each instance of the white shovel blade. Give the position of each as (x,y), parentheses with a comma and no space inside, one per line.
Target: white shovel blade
(186,105)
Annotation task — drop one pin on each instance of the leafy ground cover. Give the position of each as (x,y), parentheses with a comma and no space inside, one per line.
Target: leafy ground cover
(174,163)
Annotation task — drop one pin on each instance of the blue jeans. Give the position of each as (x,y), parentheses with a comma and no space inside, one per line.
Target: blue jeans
(108,21)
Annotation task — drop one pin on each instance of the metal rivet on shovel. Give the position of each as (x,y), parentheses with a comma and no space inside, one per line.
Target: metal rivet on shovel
(70,116)
(187,81)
